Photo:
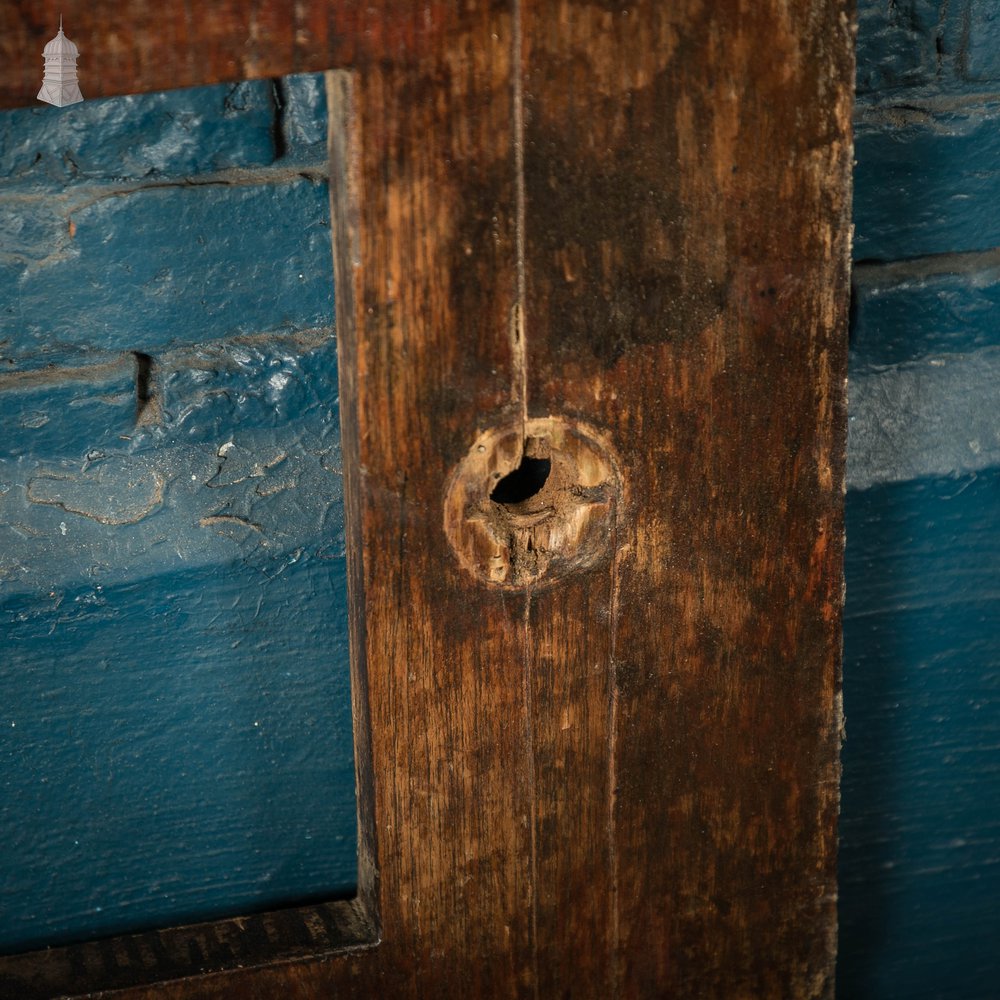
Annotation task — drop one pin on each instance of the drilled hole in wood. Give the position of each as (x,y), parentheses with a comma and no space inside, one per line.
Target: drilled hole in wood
(532,503)
(523,483)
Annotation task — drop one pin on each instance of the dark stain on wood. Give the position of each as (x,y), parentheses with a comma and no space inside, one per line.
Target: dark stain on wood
(723,603)
(621,294)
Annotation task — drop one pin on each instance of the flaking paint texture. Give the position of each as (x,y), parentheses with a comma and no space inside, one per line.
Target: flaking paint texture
(175,728)
(920,824)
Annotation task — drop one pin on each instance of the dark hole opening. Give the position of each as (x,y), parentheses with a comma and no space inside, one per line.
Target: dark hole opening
(523,483)
(143,382)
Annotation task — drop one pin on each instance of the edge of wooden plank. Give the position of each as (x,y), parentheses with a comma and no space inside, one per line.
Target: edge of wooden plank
(190,952)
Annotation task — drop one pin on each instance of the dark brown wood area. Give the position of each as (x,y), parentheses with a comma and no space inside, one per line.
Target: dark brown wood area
(685,292)
(137,46)
(622,780)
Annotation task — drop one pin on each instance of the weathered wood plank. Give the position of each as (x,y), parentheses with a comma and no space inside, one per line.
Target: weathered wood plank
(608,249)
(177,959)
(686,292)
(139,46)
(434,292)
(128,48)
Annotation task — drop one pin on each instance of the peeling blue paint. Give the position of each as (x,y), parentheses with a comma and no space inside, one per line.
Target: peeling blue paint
(927,165)
(178,133)
(175,732)
(920,811)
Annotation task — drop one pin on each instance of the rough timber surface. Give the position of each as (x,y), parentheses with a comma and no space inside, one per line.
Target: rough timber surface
(140,45)
(625,783)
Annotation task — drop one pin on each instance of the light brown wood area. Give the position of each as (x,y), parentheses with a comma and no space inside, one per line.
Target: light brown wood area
(615,775)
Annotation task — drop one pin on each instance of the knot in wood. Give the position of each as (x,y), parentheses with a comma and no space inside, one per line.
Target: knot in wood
(530,504)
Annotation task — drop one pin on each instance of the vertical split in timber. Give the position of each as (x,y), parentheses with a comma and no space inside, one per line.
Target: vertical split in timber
(623,782)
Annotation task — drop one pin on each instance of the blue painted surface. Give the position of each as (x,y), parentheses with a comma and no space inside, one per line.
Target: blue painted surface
(979,41)
(926,128)
(924,173)
(913,311)
(175,731)
(920,818)
(896,43)
(187,264)
(911,43)
(175,134)
(164,197)
(171,749)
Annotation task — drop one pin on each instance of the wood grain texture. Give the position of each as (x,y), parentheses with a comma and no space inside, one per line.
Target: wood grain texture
(685,292)
(129,48)
(623,783)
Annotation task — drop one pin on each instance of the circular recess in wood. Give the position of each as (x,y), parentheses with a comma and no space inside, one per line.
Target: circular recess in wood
(532,503)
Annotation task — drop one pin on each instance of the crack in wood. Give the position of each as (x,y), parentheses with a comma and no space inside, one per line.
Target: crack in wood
(519,333)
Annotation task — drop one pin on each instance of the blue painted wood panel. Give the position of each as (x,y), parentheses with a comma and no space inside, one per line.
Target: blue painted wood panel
(926,128)
(175,731)
(920,818)
(913,43)
(920,815)
(927,164)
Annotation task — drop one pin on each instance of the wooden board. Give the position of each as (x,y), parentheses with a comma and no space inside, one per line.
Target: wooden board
(597,724)
(132,47)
